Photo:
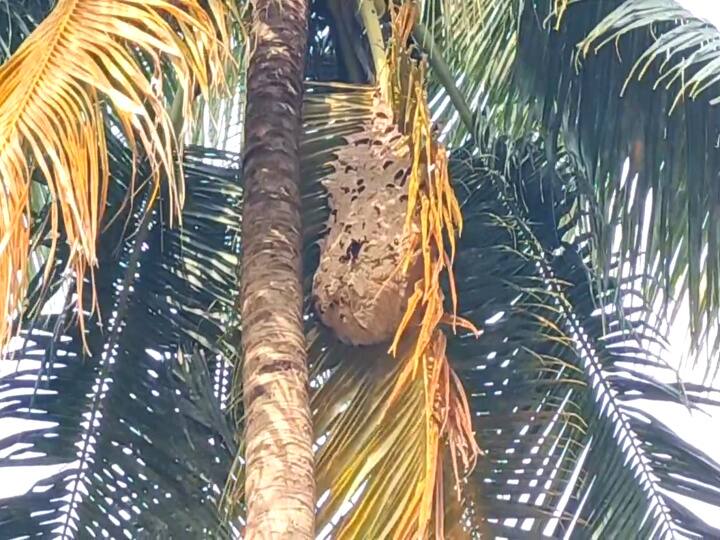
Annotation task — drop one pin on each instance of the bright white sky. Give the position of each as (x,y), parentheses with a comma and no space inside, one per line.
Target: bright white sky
(707,9)
(701,429)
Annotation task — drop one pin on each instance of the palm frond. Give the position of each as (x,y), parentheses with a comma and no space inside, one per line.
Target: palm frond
(668,66)
(554,377)
(418,251)
(135,429)
(89,55)
(322,62)
(631,102)
(477,40)
(610,82)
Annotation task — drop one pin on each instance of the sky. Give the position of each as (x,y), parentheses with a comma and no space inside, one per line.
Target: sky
(700,428)
(707,9)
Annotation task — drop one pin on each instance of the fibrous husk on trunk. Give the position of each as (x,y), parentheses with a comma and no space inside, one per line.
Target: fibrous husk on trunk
(360,288)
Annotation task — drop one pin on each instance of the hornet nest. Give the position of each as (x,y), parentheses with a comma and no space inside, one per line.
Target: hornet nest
(359,288)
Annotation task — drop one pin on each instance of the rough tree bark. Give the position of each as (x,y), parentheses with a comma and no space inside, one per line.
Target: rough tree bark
(279,485)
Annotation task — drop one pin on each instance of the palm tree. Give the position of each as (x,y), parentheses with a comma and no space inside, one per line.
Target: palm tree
(484,384)
(278,429)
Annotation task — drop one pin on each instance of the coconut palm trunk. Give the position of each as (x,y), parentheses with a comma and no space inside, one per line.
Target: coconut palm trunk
(279,483)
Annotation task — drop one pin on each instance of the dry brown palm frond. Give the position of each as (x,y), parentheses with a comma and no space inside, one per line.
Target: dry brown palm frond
(89,54)
(432,204)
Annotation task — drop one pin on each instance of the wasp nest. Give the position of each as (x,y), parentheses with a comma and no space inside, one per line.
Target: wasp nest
(360,291)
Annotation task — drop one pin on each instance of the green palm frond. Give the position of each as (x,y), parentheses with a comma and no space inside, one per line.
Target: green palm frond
(137,425)
(477,40)
(605,114)
(608,81)
(670,67)
(321,62)
(686,45)
(558,379)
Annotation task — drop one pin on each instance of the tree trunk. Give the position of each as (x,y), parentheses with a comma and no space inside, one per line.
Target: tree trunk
(280,484)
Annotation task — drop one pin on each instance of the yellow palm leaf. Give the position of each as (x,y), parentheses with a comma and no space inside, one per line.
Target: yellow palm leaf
(87,55)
